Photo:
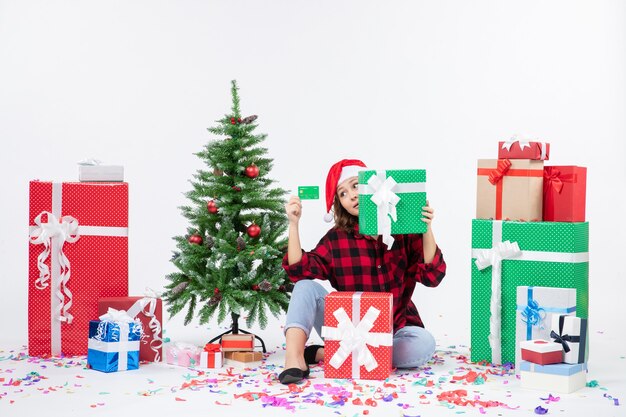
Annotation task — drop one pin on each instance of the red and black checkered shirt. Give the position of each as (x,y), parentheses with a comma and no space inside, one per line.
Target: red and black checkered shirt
(354,262)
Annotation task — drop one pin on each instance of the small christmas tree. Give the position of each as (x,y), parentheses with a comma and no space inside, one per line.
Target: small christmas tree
(230,259)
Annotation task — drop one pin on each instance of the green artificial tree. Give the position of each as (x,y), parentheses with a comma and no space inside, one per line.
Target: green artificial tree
(230,259)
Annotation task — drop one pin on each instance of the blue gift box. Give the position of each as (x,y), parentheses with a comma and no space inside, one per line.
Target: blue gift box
(563,369)
(113,346)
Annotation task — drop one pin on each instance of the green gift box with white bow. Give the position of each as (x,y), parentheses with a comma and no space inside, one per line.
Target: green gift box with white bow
(508,254)
(391,201)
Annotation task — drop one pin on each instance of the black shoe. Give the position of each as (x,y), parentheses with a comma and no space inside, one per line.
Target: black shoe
(293,375)
(310,352)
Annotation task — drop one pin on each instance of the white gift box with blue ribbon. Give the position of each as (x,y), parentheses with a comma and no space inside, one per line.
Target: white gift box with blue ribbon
(535,308)
(114,342)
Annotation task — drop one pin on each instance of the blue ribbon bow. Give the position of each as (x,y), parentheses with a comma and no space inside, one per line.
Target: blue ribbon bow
(533,314)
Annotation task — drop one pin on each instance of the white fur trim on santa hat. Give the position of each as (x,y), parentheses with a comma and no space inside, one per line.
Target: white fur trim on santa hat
(349,171)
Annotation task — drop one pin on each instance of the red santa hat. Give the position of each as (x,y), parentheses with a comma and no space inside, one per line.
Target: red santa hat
(338,173)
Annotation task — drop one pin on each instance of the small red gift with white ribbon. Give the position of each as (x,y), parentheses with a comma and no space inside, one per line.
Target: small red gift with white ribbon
(358,335)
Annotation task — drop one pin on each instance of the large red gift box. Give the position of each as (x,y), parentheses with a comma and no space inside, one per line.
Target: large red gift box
(78,253)
(516,149)
(564,193)
(149,310)
(358,335)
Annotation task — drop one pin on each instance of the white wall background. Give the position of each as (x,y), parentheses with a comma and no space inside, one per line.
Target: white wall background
(399,84)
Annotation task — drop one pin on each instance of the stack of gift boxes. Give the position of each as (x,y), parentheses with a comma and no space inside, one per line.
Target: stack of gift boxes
(78,272)
(235,350)
(78,282)
(530,266)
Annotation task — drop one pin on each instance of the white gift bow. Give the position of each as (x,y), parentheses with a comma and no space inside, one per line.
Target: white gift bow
(122,319)
(355,339)
(386,201)
(522,143)
(89,161)
(155,326)
(543,146)
(113,314)
(493,257)
(64,229)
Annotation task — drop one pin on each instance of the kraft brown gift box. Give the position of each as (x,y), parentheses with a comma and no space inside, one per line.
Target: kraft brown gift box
(243,356)
(509,189)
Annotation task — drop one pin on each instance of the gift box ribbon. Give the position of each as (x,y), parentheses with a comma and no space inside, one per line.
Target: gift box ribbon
(238,344)
(52,234)
(354,337)
(563,339)
(383,190)
(554,179)
(503,168)
(493,257)
(211,356)
(120,320)
(155,325)
(212,347)
(533,314)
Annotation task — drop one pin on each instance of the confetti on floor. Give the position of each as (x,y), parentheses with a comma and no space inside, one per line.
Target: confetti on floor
(448,384)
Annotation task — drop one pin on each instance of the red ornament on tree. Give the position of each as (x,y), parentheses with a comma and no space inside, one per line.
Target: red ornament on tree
(255,287)
(252,171)
(234,187)
(216,291)
(253,230)
(195,239)
(212,207)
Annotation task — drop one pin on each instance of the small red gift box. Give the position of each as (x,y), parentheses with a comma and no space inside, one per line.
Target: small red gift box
(564,193)
(358,335)
(519,149)
(78,254)
(150,311)
(237,342)
(541,352)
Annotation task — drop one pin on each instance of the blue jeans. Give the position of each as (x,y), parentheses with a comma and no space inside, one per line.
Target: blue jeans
(413,346)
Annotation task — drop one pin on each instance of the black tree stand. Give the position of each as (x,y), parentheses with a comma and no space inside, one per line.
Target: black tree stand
(236,330)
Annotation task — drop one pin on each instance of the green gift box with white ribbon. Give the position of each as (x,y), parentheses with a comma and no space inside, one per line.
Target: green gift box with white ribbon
(391,201)
(508,254)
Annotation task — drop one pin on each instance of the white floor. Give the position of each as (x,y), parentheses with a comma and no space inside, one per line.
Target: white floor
(64,387)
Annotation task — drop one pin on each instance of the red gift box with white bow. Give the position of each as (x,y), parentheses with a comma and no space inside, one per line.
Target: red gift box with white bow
(78,253)
(522,149)
(358,335)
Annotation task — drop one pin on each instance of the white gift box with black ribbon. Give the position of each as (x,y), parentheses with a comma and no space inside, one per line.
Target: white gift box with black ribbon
(571,333)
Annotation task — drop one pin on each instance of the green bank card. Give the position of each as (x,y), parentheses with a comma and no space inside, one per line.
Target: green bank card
(309,192)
